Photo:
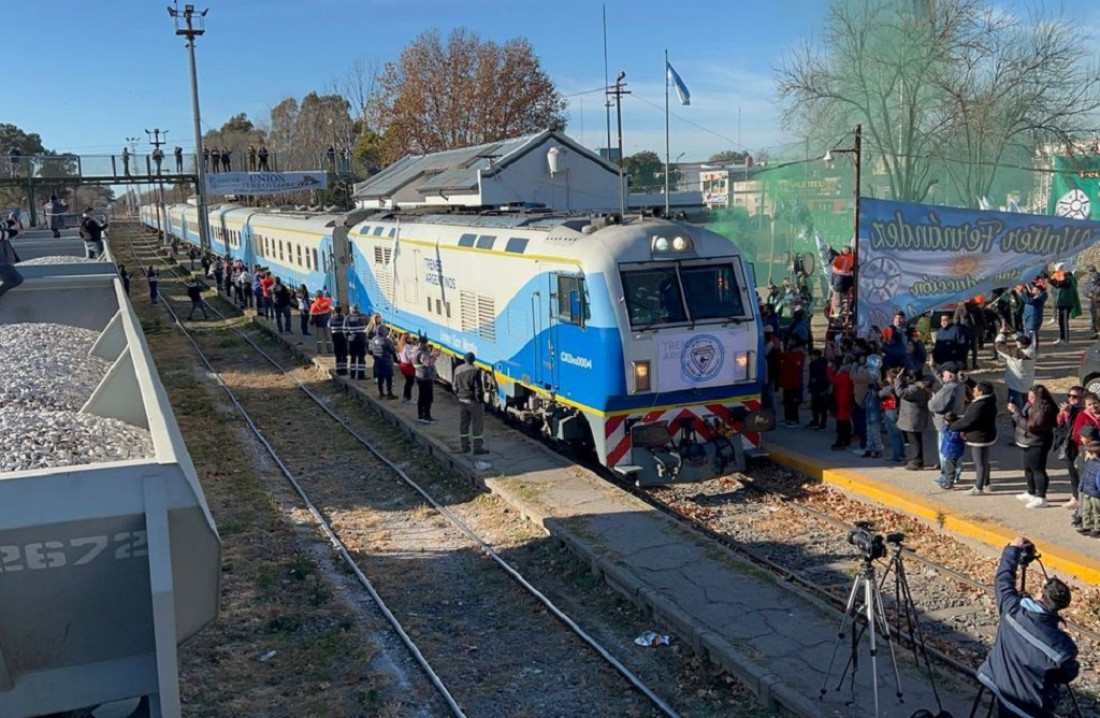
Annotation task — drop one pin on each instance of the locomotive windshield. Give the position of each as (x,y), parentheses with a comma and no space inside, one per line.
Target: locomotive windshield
(675,294)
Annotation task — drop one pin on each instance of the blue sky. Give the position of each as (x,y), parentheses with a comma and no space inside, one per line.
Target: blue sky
(118,68)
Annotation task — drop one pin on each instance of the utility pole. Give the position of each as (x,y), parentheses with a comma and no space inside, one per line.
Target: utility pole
(618,91)
(158,157)
(193,27)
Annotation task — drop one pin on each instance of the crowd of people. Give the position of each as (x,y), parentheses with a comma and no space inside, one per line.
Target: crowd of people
(345,332)
(911,383)
(216,159)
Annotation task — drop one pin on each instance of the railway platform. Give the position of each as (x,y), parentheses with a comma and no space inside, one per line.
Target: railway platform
(773,639)
(993,518)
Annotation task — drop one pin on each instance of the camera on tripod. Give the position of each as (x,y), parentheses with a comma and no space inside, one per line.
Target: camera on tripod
(864,538)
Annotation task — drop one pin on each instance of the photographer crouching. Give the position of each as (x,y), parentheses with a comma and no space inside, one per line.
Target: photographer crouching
(1032,656)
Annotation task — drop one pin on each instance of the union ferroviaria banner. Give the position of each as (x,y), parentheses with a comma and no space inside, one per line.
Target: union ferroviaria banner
(917,257)
(264,182)
(1075,188)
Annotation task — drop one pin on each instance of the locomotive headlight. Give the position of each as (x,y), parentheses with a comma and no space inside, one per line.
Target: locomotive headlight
(681,243)
(746,365)
(660,244)
(641,376)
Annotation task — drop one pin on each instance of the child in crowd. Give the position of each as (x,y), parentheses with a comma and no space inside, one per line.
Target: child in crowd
(819,390)
(790,381)
(952,447)
(873,412)
(1090,492)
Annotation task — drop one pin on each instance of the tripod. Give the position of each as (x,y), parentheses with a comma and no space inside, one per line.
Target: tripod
(865,608)
(907,611)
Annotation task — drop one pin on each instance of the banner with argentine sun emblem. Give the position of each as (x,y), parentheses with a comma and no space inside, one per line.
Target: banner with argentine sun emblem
(1075,188)
(917,257)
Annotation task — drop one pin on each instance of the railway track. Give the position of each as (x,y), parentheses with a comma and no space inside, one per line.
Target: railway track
(795,533)
(358,495)
(780,522)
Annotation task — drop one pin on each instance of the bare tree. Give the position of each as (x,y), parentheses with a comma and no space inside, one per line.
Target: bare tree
(943,89)
(438,97)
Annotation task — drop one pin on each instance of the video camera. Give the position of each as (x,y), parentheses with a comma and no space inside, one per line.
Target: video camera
(864,538)
(1028,553)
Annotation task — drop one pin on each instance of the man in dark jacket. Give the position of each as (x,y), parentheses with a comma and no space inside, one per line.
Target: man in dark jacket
(471,415)
(91,231)
(194,293)
(280,296)
(1031,657)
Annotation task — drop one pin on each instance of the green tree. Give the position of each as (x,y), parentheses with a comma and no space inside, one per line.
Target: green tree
(944,90)
(733,157)
(466,92)
(646,173)
(302,132)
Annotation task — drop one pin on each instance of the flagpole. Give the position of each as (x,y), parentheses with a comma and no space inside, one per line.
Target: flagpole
(667,152)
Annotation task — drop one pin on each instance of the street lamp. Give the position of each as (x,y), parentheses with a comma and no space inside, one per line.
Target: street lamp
(190,31)
(855,151)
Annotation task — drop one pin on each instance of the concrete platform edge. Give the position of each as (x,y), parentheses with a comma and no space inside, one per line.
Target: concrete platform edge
(988,532)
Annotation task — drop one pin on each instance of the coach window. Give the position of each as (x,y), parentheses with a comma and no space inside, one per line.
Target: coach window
(299,252)
(572,304)
(712,292)
(467,240)
(315,260)
(653,296)
(485,241)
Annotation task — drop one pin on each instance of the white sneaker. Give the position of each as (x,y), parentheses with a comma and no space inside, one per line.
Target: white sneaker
(1025,496)
(859,452)
(975,491)
(1056,341)
(1036,503)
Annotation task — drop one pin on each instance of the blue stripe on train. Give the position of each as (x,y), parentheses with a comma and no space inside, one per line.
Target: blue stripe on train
(586,366)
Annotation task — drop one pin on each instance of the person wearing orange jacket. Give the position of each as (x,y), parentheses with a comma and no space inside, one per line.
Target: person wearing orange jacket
(319,312)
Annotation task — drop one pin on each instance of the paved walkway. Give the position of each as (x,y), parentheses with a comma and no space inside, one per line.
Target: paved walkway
(775,641)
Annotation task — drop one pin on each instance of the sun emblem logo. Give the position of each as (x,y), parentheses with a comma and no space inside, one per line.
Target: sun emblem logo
(1073,204)
(964,265)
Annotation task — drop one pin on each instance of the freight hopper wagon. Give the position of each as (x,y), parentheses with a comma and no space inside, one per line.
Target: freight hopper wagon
(108,554)
(638,339)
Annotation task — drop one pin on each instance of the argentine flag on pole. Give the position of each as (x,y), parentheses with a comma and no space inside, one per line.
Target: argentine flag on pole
(681,89)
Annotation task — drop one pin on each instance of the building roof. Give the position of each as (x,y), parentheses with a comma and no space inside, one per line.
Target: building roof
(456,171)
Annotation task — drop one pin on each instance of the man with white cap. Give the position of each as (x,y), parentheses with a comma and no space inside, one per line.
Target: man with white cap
(1066,302)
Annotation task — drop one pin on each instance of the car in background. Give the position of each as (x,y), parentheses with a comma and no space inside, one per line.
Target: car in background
(1089,373)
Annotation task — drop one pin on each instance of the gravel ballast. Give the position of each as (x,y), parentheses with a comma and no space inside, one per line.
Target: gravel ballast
(46,376)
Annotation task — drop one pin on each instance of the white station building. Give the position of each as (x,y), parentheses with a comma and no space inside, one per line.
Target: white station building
(545,169)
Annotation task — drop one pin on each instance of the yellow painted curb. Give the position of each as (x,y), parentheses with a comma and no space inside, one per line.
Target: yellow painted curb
(993,534)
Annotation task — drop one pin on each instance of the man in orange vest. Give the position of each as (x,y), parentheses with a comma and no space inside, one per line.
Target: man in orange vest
(843,267)
(319,312)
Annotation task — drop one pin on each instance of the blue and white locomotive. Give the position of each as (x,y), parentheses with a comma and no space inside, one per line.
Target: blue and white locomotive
(638,338)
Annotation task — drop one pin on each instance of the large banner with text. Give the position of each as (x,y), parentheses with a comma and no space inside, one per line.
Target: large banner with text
(917,257)
(264,182)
